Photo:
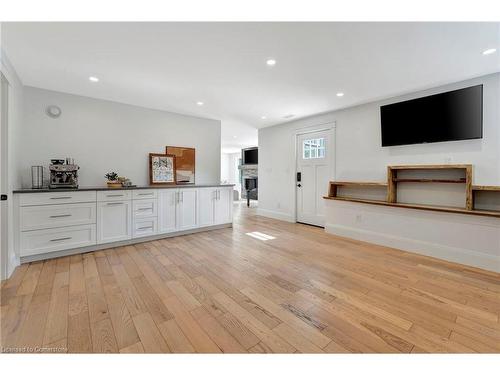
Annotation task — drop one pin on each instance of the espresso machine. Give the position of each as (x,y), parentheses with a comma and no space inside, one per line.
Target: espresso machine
(63,173)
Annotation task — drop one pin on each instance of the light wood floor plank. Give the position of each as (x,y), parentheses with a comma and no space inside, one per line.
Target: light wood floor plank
(223,291)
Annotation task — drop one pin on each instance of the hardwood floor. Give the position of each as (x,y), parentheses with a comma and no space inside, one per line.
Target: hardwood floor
(224,291)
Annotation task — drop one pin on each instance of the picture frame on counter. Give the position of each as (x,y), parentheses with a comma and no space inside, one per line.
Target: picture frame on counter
(162,169)
(185,161)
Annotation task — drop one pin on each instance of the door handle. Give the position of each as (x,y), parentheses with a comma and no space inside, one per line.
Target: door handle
(61,239)
(299,185)
(3,197)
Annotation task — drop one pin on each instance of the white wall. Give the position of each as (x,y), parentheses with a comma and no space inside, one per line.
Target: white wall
(224,167)
(105,136)
(358,152)
(229,168)
(12,142)
(359,156)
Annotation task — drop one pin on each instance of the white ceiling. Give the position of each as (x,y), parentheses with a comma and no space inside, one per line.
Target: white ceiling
(171,66)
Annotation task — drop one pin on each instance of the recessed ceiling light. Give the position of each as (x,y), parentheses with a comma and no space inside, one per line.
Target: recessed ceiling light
(271,62)
(489,51)
(235,137)
(93,79)
(340,94)
(199,103)
(263,117)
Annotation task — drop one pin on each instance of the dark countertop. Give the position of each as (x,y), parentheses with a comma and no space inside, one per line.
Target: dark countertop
(104,188)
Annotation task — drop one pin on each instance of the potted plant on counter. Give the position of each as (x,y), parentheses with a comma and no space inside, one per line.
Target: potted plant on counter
(112,178)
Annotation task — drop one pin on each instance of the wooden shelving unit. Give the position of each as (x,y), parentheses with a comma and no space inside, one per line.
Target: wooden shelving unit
(392,188)
(334,185)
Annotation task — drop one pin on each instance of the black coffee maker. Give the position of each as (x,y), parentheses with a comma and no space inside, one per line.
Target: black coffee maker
(63,174)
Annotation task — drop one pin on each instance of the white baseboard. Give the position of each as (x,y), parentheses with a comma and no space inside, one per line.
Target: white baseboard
(453,254)
(275,215)
(14,261)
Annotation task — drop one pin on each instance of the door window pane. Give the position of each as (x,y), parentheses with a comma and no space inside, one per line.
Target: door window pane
(313,148)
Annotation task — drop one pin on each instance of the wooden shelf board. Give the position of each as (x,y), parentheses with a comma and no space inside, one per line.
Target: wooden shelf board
(420,207)
(435,166)
(358,183)
(434,180)
(485,188)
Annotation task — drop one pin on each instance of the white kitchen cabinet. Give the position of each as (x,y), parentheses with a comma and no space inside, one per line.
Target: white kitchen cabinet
(145,227)
(56,239)
(215,206)
(223,211)
(177,209)
(57,197)
(114,221)
(206,206)
(186,213)
(167,207)
(56,215)
(50,222)
(144,208)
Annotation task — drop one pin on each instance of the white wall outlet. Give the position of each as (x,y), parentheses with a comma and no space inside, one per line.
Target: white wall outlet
(359,218)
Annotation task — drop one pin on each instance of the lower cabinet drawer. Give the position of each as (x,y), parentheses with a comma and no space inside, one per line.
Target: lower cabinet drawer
(143,208)
(56,239)
(59,215)
(56,197)
(145,227)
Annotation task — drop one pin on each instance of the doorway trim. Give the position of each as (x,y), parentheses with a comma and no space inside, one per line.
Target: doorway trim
(4,176)
(330,126)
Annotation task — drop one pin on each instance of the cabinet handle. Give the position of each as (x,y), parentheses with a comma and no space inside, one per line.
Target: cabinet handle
(114,203)
(218,194)
(145,194)
(61,239)
(65,215)
(60,197)
(142,228)
(182,196)
(145,209)
(114,195)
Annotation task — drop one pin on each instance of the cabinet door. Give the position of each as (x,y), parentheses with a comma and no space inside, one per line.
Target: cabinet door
(206,205)
(224,206)
(167,205)
(186,209)
(114,221)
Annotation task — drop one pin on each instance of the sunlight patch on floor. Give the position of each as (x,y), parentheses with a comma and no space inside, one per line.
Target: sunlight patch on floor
(260,236)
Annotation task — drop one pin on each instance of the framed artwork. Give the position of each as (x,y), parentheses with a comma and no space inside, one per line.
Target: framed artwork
(161,169)
(185,158)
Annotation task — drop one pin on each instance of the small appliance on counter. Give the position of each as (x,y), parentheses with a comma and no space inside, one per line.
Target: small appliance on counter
(63,174)
(37,177)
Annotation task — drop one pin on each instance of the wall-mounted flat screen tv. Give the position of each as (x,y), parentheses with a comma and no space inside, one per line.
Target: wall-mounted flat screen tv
(250,156)
(450,116)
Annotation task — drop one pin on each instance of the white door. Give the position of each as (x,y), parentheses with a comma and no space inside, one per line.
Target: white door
(114,221)
(4,90)
(223,206)
(206,205)
(167,205)
(186,209)
(313,172)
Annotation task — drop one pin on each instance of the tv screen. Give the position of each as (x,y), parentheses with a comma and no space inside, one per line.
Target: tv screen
(450,116)
(250,155)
